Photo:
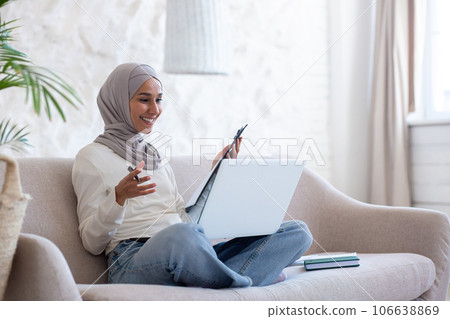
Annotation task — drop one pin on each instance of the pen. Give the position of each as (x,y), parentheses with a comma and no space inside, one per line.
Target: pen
(130,169)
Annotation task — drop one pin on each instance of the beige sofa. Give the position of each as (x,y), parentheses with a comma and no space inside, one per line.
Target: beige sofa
(404,251)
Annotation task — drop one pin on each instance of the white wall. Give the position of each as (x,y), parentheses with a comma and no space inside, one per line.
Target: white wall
(273,44)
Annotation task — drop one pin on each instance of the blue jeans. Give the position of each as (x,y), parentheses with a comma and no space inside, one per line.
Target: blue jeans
(181,255)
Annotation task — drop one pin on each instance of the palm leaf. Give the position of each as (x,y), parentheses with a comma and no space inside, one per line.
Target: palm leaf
(45,87)
(5,31)
(10,81)
(3,2)
(21,72)
(13,137)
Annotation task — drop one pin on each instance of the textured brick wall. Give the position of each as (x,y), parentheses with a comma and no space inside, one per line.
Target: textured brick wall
(277,64)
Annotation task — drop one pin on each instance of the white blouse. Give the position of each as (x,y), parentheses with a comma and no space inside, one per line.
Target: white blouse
(103,223)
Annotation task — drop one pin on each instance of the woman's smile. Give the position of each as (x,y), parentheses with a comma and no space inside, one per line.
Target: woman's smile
(147,120)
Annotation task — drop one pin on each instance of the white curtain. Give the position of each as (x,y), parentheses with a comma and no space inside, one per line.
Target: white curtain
(392,96)
(351,31)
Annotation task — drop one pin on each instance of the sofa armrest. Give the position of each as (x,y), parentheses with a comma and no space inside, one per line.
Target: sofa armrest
(340,223)
(40,272)
(345,224)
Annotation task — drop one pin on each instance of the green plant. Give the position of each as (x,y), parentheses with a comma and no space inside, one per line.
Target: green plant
(13,136)
(43,85)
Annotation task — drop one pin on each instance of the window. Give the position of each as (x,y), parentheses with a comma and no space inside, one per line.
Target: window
(435,97)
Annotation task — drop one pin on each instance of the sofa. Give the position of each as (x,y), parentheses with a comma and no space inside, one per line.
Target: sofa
(404,252)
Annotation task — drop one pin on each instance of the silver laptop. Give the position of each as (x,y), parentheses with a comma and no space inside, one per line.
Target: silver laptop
(248,198)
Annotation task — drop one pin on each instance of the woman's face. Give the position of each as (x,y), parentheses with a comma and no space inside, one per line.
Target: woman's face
(145,106)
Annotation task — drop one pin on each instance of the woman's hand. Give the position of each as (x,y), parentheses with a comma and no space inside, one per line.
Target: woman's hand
(232,154)
(129,187)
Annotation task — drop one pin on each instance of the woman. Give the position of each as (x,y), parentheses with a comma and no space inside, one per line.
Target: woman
(140,221)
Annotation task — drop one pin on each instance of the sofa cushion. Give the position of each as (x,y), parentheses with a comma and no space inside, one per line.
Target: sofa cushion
(52,213)
(380,277)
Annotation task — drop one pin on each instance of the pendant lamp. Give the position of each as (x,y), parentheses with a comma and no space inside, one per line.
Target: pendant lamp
(197,37)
